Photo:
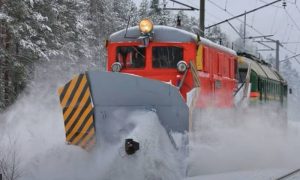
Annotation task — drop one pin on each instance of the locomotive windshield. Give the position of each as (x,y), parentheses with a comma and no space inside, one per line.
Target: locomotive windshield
(131,56)
(166,57)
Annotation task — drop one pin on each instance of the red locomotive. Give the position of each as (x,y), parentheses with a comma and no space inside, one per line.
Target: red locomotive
(158,68)
(166,54)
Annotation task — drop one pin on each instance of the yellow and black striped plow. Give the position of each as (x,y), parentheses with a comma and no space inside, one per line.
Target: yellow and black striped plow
(78,112)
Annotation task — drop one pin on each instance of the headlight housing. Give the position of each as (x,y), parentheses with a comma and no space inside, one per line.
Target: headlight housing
(146,26)
(182,66)
(116,67)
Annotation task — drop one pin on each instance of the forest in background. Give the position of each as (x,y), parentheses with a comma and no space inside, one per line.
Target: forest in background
(36,31)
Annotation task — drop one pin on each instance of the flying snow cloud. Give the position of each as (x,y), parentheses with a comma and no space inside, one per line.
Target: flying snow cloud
(221,140)
(35,126)
(243,140)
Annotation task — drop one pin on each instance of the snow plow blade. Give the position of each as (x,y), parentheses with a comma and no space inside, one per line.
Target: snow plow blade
(78,112)
(110,92)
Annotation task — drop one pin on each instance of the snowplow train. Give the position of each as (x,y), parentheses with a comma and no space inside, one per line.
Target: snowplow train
(163,69)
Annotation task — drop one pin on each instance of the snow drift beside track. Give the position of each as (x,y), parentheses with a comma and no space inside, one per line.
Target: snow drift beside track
(242,140)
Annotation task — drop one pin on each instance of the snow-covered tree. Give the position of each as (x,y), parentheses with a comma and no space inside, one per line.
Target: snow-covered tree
(216,35)
(271,60)
(67,31)
(243,45)
(154,11)
(186,22)
(122,11)
(143,11)
(291,75)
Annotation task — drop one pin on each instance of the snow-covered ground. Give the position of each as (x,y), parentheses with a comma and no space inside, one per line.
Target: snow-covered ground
(224,145)
(268,174)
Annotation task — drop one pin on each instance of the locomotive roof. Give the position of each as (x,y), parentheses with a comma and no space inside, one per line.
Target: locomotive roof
(165,34)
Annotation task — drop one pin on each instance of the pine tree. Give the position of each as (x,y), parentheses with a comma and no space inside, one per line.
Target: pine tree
(122,11)
(17,54)
(271,60)
(186,22)
(144,9)
(291,75)
(216,35)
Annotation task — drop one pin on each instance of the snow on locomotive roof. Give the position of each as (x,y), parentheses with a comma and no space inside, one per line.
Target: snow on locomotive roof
(165,34)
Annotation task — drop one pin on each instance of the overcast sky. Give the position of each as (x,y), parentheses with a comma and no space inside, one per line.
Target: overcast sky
(283,23)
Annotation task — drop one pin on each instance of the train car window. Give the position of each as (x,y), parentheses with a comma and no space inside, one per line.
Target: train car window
(166,56)
(242,75)
(131,56)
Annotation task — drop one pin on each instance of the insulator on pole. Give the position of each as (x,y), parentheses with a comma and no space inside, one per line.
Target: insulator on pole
(284,4)
(178,21)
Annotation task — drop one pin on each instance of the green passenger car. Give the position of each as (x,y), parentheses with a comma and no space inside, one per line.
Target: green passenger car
(267,85)
(267,89)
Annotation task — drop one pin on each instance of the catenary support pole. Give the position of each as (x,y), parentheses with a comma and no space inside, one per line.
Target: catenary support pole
(245,24)
(202,17)
(277,55)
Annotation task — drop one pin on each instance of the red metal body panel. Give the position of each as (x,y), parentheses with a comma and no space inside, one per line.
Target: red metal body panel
(217,78)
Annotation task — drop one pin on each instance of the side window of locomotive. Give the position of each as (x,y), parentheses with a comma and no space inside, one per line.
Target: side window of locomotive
(166,57)
(131,56)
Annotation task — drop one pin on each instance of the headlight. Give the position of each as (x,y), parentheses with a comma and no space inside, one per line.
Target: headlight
(182,66)
(116,67)
(146,26)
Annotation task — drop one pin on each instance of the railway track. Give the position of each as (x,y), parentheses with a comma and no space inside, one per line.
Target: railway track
(289,175)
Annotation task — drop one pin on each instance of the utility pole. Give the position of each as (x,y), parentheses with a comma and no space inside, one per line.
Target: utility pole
(277,54)
(269,40)
(245,24)
(191,8)
(202,17)
(278,44)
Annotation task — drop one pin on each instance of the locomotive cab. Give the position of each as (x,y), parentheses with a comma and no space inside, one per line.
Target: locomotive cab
(160,53)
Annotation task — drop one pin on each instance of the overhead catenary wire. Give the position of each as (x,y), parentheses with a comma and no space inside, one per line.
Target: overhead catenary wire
(297,61)
(289,58)
(251,26)
(297,8)
(253,17)
(279,7)
(288,16)
(296,48)
(295,42)
(226,5)
(274,20)
(292,20)
(237,17)
(289,33)
(288,50)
